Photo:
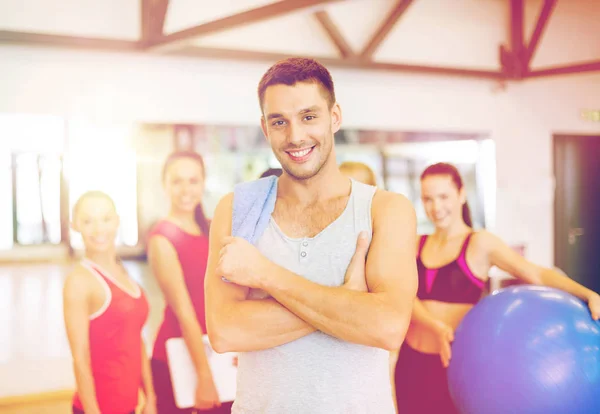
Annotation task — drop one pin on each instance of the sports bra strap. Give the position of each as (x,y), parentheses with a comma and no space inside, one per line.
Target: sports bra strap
(421,244)
(463,250)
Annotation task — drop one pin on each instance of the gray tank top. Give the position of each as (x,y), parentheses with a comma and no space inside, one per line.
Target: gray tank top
(317,373)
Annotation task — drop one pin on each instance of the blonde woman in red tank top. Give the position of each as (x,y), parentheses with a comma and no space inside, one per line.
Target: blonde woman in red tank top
(104,313)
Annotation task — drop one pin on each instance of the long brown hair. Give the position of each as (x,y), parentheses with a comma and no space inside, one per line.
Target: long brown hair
(199,215)
(442,168)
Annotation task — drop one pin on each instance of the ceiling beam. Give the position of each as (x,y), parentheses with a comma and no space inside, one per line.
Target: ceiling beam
(385,28)
(244,55)
(517,11)
(278,8)
(540,26)
(334,34)
(512,58)
(153,19)
(161,15)
(593,66)
(68,41)
(146,19)
(84,43)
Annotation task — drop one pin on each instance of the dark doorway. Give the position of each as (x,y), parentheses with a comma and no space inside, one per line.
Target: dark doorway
(577,208)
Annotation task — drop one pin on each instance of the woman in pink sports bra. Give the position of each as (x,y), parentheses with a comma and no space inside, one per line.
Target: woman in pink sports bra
(453,264)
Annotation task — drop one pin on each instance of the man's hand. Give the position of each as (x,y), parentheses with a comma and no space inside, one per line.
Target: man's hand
(355,274)
(242,263)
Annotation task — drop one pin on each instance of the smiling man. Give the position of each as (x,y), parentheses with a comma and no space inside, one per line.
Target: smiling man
(311,314)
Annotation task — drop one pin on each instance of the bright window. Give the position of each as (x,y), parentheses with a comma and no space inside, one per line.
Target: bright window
(30,148)
(101,158)
(38,198)
(6,206)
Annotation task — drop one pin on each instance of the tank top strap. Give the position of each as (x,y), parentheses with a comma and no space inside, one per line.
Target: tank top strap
(95,270)
(422,240)
(465,245)
(113,284)
(362,199)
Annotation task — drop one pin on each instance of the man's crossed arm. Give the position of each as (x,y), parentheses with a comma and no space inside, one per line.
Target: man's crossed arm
(372,308)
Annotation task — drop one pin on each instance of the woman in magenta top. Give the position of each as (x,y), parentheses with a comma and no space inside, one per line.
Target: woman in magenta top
(177,252)
(453,264)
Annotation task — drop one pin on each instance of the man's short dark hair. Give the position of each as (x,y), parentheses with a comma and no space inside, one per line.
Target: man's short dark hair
(293,70)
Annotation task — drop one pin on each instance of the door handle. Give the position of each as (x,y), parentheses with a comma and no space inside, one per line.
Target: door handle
(574,233)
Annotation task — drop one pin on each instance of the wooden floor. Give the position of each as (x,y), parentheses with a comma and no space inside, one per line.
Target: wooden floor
(58,402)
(35,362)
(49,407)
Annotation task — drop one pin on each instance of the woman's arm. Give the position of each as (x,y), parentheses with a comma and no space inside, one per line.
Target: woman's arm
(165,264)
(147,385)
(443,332)
(502,256)
(76,308)
(167,269)
(421,316)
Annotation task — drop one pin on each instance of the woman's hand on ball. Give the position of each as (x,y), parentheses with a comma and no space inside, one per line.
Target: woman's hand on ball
(594,305)
(445,335)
